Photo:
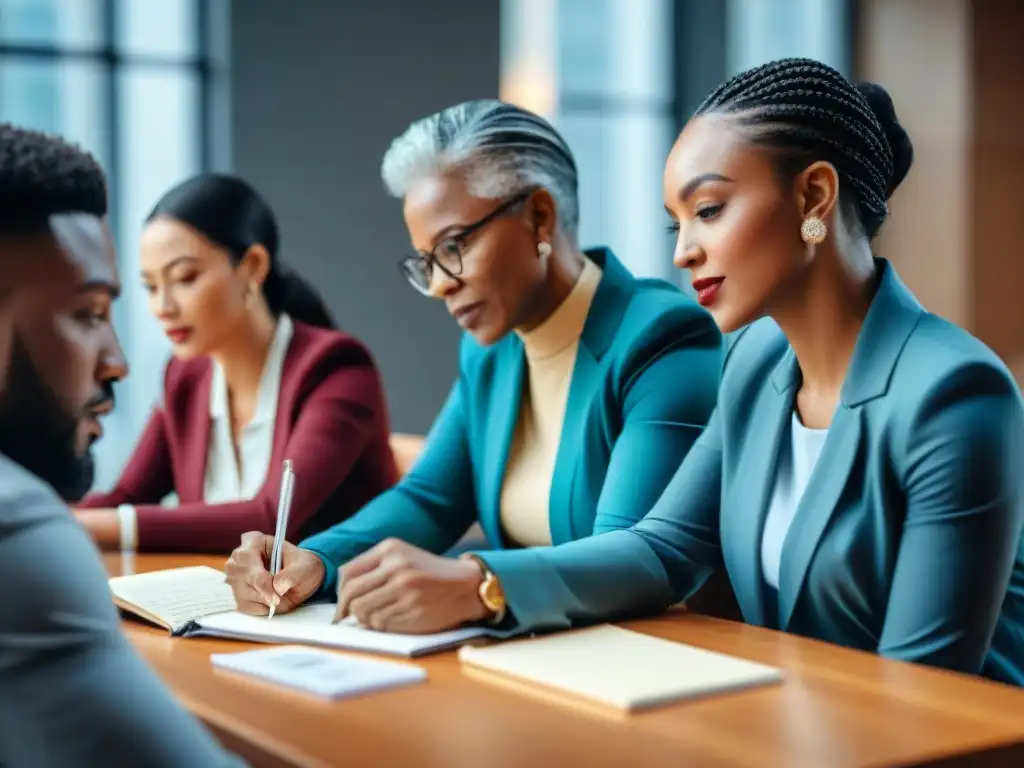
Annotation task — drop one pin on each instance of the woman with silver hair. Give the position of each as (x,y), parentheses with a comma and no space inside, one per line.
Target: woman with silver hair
(580,388)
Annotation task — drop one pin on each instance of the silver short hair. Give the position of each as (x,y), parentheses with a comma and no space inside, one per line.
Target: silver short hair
(500,150)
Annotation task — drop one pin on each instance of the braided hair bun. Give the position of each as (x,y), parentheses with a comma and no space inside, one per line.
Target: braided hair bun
(899,142)
(808,111)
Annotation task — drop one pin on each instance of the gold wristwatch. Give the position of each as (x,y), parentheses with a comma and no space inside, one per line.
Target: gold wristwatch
(490,591)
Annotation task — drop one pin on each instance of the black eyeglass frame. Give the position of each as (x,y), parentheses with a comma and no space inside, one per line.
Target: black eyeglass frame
(410,265)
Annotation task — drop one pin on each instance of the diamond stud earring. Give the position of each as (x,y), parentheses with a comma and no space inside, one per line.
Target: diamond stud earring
(813,230)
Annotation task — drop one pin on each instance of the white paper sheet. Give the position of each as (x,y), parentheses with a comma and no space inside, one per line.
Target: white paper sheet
(312,624)
(321,673)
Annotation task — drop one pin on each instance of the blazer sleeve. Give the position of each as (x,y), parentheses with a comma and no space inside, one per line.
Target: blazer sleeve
(963,521)
(666,406)
(74,691)
(644,569)
(431,507)
(332,430)
(148,476)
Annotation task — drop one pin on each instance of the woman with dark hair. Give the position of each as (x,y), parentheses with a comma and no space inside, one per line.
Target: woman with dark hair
(860,480)
(259,375)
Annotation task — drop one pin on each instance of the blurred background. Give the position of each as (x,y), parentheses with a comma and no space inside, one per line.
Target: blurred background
(302,97)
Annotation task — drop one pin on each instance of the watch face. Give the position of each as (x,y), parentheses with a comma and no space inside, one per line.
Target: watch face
(492,595)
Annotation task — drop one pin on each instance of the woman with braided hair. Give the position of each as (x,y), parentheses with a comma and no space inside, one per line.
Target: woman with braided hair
(860,480)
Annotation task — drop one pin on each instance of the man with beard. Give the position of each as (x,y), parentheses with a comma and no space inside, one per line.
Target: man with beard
(72,690)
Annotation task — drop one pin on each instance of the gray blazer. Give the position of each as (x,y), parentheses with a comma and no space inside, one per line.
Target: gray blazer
(907,541)
(73,692)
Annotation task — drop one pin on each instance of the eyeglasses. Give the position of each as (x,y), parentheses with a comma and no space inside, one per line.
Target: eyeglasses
(447,255)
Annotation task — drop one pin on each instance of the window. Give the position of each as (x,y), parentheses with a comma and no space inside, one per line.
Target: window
(601,71)
(620,77)
(760,31)
(129,81)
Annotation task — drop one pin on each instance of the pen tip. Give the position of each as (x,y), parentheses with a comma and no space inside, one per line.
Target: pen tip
(288,465)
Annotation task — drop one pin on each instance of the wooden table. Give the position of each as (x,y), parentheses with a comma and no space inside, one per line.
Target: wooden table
(836,708)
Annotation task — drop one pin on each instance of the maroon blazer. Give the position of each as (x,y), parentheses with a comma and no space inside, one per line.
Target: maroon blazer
(332,422)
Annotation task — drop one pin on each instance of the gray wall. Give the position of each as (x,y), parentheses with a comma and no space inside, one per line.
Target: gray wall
(318,90)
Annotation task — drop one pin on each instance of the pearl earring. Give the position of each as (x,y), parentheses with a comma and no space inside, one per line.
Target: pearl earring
(813,230)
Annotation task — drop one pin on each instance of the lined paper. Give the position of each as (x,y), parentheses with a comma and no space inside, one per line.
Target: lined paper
(176,596)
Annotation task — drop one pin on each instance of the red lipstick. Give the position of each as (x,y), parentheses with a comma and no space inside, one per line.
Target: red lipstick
(179,335)
(707,289)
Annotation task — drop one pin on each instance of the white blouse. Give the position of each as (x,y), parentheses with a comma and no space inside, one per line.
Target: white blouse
(237,479)
(796,463)
(229,478)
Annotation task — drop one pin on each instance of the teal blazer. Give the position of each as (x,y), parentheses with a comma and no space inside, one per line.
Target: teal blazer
(643,387)
(907,541)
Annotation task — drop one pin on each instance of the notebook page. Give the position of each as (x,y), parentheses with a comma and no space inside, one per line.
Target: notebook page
(311,624)
(176,596)
(617,667)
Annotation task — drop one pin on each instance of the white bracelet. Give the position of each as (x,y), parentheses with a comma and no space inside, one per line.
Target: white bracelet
(129,527)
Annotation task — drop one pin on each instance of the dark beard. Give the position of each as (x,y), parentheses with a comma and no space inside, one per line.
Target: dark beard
(37,432)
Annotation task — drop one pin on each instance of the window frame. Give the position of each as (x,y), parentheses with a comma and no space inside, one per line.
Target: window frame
(204,69)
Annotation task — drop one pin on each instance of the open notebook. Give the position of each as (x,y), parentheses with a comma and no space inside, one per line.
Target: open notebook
(195,601)
(612,667)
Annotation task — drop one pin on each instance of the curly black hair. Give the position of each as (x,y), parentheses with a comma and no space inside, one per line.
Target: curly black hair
(41,175)
(808,111)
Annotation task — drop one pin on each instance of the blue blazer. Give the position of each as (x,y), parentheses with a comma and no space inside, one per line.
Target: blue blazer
(643,387)
(907,541)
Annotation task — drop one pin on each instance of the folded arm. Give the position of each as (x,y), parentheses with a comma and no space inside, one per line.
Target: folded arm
(964,520)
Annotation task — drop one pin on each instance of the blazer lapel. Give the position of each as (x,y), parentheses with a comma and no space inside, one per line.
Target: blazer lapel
(893,314)
(817,505)
(744,529)
(613,295)
(581,394)
(197,441)
(506,389)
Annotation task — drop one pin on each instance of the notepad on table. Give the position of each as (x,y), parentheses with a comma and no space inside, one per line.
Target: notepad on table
(614,667)
(195,601)
(321,673)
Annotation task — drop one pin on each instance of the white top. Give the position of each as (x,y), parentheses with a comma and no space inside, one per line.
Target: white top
(228,479)
(796,463)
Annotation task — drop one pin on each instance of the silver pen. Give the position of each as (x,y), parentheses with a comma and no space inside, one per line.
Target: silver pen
(284,508)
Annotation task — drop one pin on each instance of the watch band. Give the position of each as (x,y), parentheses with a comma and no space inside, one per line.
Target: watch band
(489,584)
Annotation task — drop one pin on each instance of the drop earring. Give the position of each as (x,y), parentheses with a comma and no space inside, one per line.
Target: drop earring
(813,230)
(544,253)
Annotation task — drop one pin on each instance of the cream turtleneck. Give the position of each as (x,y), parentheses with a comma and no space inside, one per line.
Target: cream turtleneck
(550,357)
